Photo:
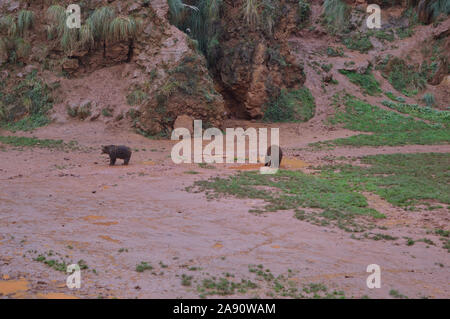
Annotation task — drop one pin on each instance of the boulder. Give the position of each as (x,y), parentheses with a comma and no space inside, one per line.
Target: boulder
(184,121)
(70,65)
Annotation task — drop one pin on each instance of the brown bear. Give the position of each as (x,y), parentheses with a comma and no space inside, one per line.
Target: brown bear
(115,152)
(269,156)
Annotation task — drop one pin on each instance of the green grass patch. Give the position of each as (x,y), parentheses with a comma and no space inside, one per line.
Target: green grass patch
(224,286)
(403,180)
(334,200)
(333,197)
(28,104)
(404,77)
(394,293)
(366,81)
(20,141)
(143,266)
(358,42)
(426,113)
(291,106)
(394,98)
(384,35)
(389,128)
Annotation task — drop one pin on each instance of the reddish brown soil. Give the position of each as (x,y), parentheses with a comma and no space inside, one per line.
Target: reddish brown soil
(76,205)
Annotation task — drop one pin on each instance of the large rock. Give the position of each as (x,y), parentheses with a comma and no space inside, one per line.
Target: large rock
(184,121)
(70,65)
(446,81)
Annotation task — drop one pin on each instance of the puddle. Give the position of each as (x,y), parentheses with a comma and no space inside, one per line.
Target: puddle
(93,217)
(55,295)
(247,167)
(286,163)
(293,163)
(109,239)
(106,223)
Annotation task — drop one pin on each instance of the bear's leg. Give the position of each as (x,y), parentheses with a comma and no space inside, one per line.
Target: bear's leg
(112,161)
(126,160)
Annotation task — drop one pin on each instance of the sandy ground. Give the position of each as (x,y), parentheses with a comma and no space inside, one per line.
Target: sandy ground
(74,204)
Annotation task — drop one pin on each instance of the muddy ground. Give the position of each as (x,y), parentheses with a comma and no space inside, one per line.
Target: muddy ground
(73,205)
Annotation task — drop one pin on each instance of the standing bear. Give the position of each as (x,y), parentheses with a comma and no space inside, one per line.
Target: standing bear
(115,152)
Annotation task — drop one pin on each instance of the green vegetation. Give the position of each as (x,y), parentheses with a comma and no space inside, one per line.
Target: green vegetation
(336,14)
(81,112)
(136,97)
(203,19)
(143,266)
(403,77)
(394,98)
(224,286)
(19,141)
(52,260)
(186,280)
(384,35)
(303,12)
(396,294)
(291,106)
(444,237)
(283,285)
(389,128)
(334,52)
(428,99)
(12,45)
(358,42)
(30,101)
(8,26)
(404,33)
(366,81)
(25,21)
(101,26)
(333,196)
(403,180)
(439,7)
(426,113)
(333,201)
(123,29)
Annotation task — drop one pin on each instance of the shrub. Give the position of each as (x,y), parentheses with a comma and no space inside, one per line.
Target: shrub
(336,14)
(100,21)
(334,52)
(22,48)
(428,99)
(358,42)
(8,25)
(204,22)
(271,14)
(136,97)
(403,77)
(31,100)
(439,6)
(291,106)
(25,21)
(303,11)
(367,81)
(250,12)
(123,29)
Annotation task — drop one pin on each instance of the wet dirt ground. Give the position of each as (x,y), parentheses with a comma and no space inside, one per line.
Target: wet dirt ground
(72,204)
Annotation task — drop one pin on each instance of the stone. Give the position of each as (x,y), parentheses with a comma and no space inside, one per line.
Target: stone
(70,65)
(184,121)
(446,81)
